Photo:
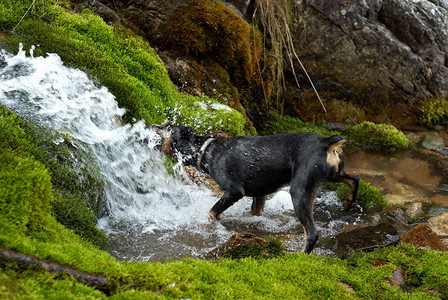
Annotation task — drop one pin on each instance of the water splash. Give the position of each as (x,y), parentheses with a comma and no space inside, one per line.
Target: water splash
(151,215)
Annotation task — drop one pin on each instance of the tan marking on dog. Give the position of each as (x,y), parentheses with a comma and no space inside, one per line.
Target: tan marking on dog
(212,216)
(306,236)
(333,152)
(165,148)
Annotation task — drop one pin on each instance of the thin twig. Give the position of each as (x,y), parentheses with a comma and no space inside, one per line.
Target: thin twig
(29,8)
(306,73)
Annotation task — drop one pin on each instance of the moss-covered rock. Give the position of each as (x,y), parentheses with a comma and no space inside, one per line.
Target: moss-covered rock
(125,64)
(206,28)
(228,50)
(377,136)
(242,245)
(74,213)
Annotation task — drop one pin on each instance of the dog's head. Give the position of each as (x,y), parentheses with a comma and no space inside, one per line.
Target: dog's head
(174,141)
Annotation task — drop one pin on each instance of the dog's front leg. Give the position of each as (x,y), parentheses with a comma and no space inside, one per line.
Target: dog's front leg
(227,200)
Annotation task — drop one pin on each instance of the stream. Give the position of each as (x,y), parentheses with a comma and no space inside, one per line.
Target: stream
(154,216)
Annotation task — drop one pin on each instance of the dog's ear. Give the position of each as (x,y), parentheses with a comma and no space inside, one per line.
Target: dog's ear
(181,133)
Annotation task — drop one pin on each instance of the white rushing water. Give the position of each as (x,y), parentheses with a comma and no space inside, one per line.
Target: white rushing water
(151,215)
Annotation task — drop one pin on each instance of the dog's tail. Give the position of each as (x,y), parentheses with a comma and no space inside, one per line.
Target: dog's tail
(334,148)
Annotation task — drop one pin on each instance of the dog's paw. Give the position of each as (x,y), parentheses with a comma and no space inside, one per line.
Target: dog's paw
(213,217)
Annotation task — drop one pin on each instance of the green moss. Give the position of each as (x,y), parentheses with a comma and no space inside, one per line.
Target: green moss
(368,196)
(73,212)
(288,124)
(13,11)
(25,189)
(273,248)
(424,270)
(434,111)
(377,136)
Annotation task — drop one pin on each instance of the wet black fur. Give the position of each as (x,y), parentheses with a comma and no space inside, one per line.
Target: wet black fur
(256,166)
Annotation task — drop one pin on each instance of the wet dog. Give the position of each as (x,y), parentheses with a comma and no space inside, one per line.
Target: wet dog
(257,166)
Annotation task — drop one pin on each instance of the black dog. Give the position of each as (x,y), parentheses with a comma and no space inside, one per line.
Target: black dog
(256,166)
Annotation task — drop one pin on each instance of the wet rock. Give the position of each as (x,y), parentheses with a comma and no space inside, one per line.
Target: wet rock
(336,126)
(422,236)
(398,278)
(414,137)
(236,8)
(440,200)
(415,209)
(434,142)
(401,194)
(419,173)
(146,16)
(365,238)
(97,7)
(435,211)
(243,6)
(440,225)
(395,215)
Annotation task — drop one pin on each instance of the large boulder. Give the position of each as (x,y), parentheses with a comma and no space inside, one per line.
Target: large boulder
(376,53)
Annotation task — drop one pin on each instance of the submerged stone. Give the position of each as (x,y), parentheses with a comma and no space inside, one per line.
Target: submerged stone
(365,238)
(433,141)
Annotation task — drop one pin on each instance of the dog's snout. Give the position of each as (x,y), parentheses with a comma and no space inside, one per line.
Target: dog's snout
(160,139)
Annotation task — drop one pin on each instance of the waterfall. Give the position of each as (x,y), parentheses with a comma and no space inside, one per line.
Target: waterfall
(151,214)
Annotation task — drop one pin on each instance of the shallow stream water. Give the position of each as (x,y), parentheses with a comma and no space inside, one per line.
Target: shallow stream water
(152,215)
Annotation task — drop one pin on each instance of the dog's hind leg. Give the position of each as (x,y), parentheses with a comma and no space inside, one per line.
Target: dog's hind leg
(227,200)
(258,205)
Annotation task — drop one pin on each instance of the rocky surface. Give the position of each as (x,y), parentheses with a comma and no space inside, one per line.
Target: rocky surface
(365,238)
(385,51)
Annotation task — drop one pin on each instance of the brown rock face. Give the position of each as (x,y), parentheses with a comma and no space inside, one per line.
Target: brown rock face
(375,53)
(146,16)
